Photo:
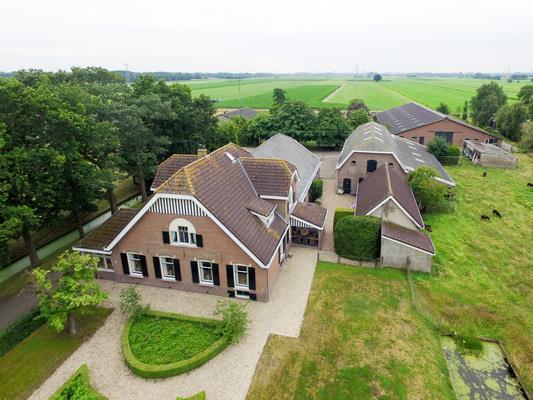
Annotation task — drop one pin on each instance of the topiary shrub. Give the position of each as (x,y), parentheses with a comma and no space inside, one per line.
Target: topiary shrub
(357,238)
(341,213)
(316,190)
(20,330)
(78,387)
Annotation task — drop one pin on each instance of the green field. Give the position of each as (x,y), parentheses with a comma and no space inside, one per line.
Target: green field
(257,93)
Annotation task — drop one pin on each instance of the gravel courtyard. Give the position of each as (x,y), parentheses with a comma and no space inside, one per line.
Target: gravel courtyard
(227,376)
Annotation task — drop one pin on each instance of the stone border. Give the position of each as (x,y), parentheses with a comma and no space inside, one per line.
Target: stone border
(179,367)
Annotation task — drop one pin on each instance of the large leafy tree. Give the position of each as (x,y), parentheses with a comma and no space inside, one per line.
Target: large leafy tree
(358,117)
(429,193)
(510,118)
(332,128)
(526,97)
(487,101)
(258,130)
(295,119)
(356,104)
(279,96)
(76,292)
(527,136)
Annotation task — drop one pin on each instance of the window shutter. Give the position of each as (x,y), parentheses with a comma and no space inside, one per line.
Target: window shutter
(253,296)
(251,278)
(216,276)
(157,267)
(166,237)
(125,266)
(194,272)
(199,241)
(229,275)
(231,293)
(177,269)
(144,267)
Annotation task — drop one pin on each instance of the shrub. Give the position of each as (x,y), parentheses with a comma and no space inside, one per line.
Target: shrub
(234,319)
(341,213)
(468,345)
(429,193)
(78,387)
(19,330)
(131,302)
(357,238)
(197,396)
(316,190)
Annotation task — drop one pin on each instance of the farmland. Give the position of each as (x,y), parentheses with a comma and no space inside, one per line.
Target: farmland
(391,92)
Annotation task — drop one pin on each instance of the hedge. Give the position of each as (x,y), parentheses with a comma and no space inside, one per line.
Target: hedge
(341,213)
(357,238)
(165,370)
(316,190)
(20,330)
(78,387)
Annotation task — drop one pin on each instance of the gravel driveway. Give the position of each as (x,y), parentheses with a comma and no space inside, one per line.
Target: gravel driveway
(227,376)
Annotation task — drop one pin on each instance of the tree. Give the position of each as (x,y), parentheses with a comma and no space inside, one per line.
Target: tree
(443,108)
(357,118)
(429,193)
(316,190)
(76,291)
(234,319)
(332,128)
(231,131)
(487,101)
(377,77)
(258,130)
(279,96)
(509,119)
(525,95)
(527,136)
(356,104)
(295,119)
(438,147)
(464,116)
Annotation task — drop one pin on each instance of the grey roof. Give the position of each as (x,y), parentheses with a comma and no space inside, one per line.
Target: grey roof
(408,236)
(247,113)
(487,148)
(286,148)
(374,137)
(413,115)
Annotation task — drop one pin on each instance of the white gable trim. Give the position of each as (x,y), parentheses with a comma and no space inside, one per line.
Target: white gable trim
(75,248)
(372,152)
(266,196)
(309,224)
(156,196)
(399,206)
(408,245)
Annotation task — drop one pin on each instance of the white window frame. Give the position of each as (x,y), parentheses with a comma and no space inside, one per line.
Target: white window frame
(163,264)
(132,271)
(244,295)
(236,274)
(174,233)
(200,275)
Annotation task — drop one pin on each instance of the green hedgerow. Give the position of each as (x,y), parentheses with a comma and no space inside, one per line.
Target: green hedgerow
(316,190)
(341,213)
(357,238)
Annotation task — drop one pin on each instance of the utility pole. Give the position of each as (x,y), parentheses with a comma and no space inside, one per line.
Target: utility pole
(127,73)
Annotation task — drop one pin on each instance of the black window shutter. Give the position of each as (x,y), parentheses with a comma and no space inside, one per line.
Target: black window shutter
(166,237)
(229,275)
(216,276)
(144,267)
(157,267)
(199,241)
(194,272)
(231,293)
(125,266)
(253,296)
(251,278)
(177,269)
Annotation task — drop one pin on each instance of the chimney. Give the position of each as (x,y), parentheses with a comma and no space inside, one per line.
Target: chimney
(202,151)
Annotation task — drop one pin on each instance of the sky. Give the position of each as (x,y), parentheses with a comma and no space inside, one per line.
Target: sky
(269,36)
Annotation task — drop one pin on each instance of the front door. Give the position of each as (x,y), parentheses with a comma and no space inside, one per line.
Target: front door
(347,185)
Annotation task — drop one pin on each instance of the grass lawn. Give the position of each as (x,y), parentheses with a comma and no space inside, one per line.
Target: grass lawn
(360,339)
(27,366)
(157,340)
(483,271)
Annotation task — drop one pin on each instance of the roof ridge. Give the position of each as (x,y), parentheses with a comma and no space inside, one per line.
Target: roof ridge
(388,180)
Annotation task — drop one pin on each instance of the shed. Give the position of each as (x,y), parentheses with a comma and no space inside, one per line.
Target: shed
(488,155)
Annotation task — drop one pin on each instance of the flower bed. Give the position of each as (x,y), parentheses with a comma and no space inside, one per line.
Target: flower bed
(158,344)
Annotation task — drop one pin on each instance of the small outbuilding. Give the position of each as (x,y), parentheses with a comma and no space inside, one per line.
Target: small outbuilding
(488,155)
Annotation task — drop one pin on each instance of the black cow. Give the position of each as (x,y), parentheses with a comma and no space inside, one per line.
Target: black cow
(497,213)
(485,217)
(530,184)
(484,174)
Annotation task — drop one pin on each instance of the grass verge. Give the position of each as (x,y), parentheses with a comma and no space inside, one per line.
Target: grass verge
(27,365)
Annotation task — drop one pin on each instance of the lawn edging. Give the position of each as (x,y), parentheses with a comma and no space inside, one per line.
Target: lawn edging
(165,370)
(83,373)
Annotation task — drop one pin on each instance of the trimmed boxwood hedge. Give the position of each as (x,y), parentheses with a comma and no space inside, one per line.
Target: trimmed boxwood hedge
(357,238)
(165,370)
(197,396)
(341,213)
(78,387)
(20,330)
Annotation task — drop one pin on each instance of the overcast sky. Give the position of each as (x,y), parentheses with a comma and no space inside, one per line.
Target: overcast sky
(269,36)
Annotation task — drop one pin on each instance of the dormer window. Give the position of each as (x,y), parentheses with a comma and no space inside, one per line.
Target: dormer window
(182,232)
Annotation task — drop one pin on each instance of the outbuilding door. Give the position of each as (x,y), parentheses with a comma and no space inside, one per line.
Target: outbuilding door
(347,185)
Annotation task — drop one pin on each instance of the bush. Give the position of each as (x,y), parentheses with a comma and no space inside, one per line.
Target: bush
(341,213)
(468,345)
(131,302)
(316,190)
(197,396)
(78,387)
(234,319)
(428,193)
(357,238)
(20,330)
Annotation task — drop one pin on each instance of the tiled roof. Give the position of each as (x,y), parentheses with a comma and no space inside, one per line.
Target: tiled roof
(310,212)
(247,113)
(374,137)
(408,236)
(382,183)
(220,182)
(270,176)
(286,148)
(105,233)
(168,167)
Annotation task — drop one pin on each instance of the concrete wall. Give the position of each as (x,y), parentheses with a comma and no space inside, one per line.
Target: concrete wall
(390,212)
(146,238)
(358,170)
(460,133)
(396,255)
(490,160)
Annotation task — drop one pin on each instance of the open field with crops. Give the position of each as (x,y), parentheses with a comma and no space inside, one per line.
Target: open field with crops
(391,92)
